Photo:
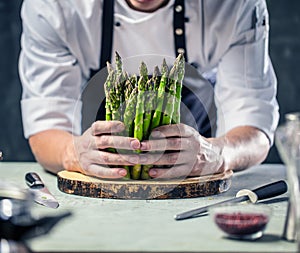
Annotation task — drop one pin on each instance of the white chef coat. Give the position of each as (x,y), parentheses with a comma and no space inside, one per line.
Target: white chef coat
(61,44)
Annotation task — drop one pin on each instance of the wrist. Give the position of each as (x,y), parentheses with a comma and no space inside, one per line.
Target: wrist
(219,145)
(69,157)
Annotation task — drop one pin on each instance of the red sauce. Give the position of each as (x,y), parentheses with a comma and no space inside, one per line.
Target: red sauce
(241,223)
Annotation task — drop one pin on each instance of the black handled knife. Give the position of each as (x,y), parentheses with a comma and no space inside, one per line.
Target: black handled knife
(42,195)
(264,192)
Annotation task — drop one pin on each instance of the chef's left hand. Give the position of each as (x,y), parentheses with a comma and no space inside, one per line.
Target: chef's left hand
(187,153)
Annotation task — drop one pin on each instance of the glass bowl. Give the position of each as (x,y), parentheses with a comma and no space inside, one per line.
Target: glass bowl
(242,221)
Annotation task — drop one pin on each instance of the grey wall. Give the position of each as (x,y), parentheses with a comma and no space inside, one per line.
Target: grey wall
(12,142)
(285,54)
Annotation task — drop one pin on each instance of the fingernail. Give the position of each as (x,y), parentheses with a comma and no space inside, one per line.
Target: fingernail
(153,172)
(122,172)
(135,144)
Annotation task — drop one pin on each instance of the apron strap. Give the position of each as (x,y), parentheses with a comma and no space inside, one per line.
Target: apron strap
(107,32)
(107,35)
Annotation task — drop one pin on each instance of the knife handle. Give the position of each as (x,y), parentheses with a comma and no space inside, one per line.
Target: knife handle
(33,180)
(271,190)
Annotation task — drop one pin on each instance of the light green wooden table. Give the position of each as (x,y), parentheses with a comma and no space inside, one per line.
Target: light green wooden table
(106,225)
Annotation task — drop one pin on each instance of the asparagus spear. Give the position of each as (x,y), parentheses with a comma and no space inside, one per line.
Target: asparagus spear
(150,106)
(160,96)
(119,64)
(117,97)
(139,116)
(180,62)
(129,115)
(156,78)
(109,67)
(108,86)
(132,82)
(131,102)
(121,77)
(170,97)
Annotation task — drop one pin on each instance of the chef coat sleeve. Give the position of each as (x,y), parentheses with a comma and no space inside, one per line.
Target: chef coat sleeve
(49,73)
(246,84)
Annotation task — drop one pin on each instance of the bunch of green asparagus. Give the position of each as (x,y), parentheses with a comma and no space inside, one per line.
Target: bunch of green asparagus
(143,102)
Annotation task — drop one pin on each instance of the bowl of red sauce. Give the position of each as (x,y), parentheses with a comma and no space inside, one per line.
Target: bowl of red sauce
(242,221)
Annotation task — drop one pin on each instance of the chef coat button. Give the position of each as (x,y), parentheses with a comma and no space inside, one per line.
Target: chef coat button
(180,50)
(178,8)
(117,24)
(179,31)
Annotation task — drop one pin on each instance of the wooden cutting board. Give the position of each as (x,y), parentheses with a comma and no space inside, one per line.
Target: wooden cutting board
(79,184)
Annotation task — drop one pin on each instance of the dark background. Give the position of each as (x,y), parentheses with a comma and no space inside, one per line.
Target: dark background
(284,51)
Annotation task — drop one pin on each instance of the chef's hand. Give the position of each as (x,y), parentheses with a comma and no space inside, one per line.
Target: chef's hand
(188,153)
(93,157)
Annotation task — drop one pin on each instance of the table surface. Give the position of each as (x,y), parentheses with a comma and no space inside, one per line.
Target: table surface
(110,225)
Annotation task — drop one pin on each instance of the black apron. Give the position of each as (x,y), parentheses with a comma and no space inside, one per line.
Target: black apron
(189,99)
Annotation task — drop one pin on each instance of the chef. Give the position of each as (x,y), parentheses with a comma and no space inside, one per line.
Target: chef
(224,42)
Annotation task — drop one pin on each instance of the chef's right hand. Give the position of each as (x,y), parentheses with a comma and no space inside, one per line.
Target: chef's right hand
(93,157)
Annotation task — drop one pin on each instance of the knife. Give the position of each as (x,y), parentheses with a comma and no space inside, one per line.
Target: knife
(264,192)
(42,195)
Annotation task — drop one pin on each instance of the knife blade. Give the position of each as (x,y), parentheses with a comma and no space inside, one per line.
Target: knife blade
(264,192)
(42,195)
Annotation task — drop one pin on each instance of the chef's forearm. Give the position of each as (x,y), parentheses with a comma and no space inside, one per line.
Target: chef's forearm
(243,147)
(54,150)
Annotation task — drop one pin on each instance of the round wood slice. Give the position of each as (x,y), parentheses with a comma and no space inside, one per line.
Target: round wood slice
(79,184)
